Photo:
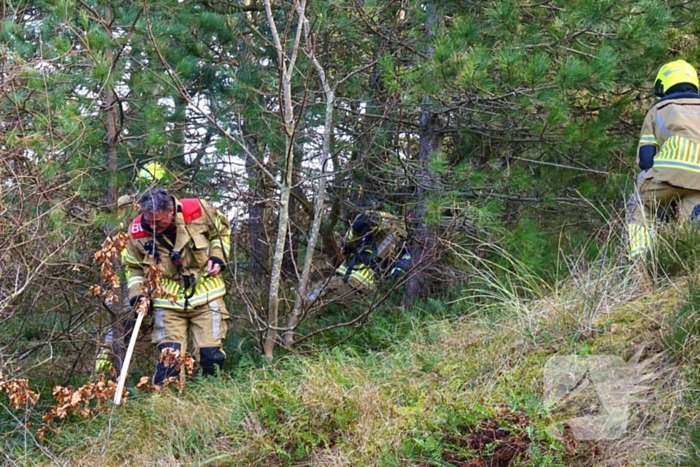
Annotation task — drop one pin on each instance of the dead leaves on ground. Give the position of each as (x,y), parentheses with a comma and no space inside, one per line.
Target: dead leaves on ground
(90,399)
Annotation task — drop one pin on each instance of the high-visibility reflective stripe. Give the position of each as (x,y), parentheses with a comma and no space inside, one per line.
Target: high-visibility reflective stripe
(218,244)
(159,324)
(638,239)
(215,319)
(362,274)
(122,257)
(671,71)
(679,153)
(690,167)
(134,281)
(366,281)
(216,239)
(130,260)
(195,301)
(648,139)
(207,289)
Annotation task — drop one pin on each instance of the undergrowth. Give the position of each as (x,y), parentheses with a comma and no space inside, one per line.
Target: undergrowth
(450,382)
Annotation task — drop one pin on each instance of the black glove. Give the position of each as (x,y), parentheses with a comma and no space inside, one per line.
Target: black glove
(218,261)
(134,300)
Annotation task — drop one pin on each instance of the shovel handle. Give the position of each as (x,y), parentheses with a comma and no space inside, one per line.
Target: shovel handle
(127,359)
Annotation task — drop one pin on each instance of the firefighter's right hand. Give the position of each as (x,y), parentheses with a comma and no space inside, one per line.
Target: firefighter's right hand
(137,303)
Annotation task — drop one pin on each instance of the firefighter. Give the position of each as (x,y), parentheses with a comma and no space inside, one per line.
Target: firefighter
(668,154)
(373,248)
(191,241)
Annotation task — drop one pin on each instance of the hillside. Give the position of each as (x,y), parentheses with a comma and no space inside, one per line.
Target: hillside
(499,141)
(467,391)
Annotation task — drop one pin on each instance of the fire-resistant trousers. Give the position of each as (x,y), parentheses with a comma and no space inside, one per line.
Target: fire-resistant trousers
(207,324)
(641,210)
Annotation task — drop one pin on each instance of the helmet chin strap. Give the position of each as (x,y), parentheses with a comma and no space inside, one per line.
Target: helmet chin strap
(676,76)
(659,88)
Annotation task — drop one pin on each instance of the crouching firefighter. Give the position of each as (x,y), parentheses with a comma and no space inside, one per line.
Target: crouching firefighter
(668,155)
(191,241)
(373,248)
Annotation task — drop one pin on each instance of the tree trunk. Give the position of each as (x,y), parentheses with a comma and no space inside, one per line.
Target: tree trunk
(424,245)
(112,136)
(258,241)
(298,310)
(286,61)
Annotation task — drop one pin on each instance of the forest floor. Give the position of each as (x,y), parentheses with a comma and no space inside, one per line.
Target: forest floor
(597,372)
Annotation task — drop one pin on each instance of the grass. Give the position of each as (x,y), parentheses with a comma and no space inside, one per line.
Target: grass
(426,401)
(464,387)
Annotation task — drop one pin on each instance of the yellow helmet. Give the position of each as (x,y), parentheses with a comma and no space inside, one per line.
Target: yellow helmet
(673,73)
(151,172)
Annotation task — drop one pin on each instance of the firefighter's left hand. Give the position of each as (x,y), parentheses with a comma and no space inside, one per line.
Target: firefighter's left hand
(214,266)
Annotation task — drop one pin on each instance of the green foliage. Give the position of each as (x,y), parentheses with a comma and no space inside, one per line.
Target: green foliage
(683,326)
(536,114)
(573,73)
(538,68)
(530,246)
(675,251)
(97,39)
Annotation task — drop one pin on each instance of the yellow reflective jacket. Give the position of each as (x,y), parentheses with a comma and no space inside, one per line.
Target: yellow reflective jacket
(375,250)
(202,232)
(672,125)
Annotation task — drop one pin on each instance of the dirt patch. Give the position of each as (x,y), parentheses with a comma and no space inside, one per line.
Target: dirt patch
(498,441)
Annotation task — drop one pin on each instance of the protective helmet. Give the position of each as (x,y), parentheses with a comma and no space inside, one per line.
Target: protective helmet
(673,73)
(151,172)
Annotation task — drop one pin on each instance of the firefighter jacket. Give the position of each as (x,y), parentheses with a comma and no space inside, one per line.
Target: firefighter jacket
(375,246)
(202,232)
(669,146)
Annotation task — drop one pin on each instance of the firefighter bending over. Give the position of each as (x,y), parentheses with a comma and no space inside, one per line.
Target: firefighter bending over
(373,248)
(191,240)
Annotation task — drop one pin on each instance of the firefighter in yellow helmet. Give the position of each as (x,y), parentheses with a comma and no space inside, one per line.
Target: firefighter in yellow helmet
(150,173)
(668,154)
(373,248)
